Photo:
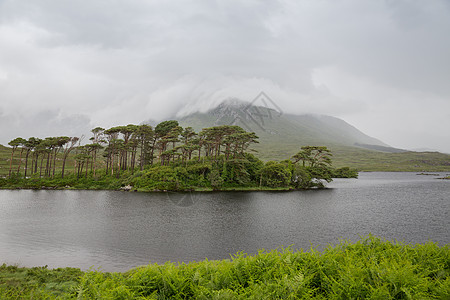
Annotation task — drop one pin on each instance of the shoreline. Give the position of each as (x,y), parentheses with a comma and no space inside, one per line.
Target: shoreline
(195,190)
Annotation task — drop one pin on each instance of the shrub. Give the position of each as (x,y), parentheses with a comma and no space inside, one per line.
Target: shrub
(275,174)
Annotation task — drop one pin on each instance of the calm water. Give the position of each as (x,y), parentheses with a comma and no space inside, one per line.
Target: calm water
(120,230)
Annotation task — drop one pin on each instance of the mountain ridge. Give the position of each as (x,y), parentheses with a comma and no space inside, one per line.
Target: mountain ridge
(275,128)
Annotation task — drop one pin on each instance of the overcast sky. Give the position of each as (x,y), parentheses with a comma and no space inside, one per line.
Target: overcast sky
(381,65)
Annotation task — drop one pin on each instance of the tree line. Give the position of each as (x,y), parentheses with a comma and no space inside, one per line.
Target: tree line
(170,157)
(128,148)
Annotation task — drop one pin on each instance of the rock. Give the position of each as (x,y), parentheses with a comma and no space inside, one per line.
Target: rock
(126,188)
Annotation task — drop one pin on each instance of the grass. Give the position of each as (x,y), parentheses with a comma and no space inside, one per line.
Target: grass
(37,282)
(369,160)
(371,268)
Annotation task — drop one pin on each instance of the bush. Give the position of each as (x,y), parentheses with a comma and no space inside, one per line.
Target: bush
(344,172)
(162,178)
(275,174)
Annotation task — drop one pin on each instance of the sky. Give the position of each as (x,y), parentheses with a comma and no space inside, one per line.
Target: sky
(381,65)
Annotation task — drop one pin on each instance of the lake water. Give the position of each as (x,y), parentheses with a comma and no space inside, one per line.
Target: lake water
(116,231)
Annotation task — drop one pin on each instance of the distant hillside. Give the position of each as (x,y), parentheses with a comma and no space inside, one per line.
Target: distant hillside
(381,148)
(281,135)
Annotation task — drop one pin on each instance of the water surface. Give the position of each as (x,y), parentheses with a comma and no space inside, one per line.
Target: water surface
(118,230)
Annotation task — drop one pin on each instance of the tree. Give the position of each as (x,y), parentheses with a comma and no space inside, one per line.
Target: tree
(91,150)
(97,140)
(49,143)
(313,156)
(316,166)
(112,135)
(15,143)
(144,135)
(30,144)
(189,146)
(165,132)
(22,148)
(128,144)
(44,149)
(69,143)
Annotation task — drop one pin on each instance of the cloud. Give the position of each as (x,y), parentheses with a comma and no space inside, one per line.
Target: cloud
(42,124)
(120,62)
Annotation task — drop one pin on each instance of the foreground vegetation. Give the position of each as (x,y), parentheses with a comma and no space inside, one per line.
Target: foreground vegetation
(368,269)
(167,157)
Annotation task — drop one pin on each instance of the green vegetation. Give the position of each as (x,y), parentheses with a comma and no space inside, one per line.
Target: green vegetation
(38,282)
(167,157)
(368,269)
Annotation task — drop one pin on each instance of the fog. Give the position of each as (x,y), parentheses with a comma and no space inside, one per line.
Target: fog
(69,66)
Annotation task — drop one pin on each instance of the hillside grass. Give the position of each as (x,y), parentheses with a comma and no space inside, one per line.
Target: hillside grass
(5,158)
(364,159)
(369,160)
(371,268)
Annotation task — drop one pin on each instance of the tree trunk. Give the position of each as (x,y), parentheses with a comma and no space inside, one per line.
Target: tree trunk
(54,161)
(20,161)
(64,164)
(26,163)
(107,164)
(40,168)
(36,163)
(112,164)
(10,163)
(94,162)
(47,166)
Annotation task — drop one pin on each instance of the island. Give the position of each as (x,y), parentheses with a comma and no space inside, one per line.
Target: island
(167,157)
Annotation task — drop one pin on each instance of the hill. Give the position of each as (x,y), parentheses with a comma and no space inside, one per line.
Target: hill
(281,135)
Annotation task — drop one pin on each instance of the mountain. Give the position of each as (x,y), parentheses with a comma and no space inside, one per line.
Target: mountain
(281,135)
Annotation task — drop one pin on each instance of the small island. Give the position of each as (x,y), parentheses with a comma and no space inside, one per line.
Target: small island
(165,158)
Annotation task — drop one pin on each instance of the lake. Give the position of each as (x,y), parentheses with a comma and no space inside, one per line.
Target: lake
(116,231)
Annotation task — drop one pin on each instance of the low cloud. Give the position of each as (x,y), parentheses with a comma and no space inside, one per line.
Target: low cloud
(43,124)
(381,65)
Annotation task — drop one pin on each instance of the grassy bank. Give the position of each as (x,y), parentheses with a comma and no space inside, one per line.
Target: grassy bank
(368,269)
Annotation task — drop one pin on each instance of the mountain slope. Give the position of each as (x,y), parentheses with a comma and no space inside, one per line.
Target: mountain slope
(281,135)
